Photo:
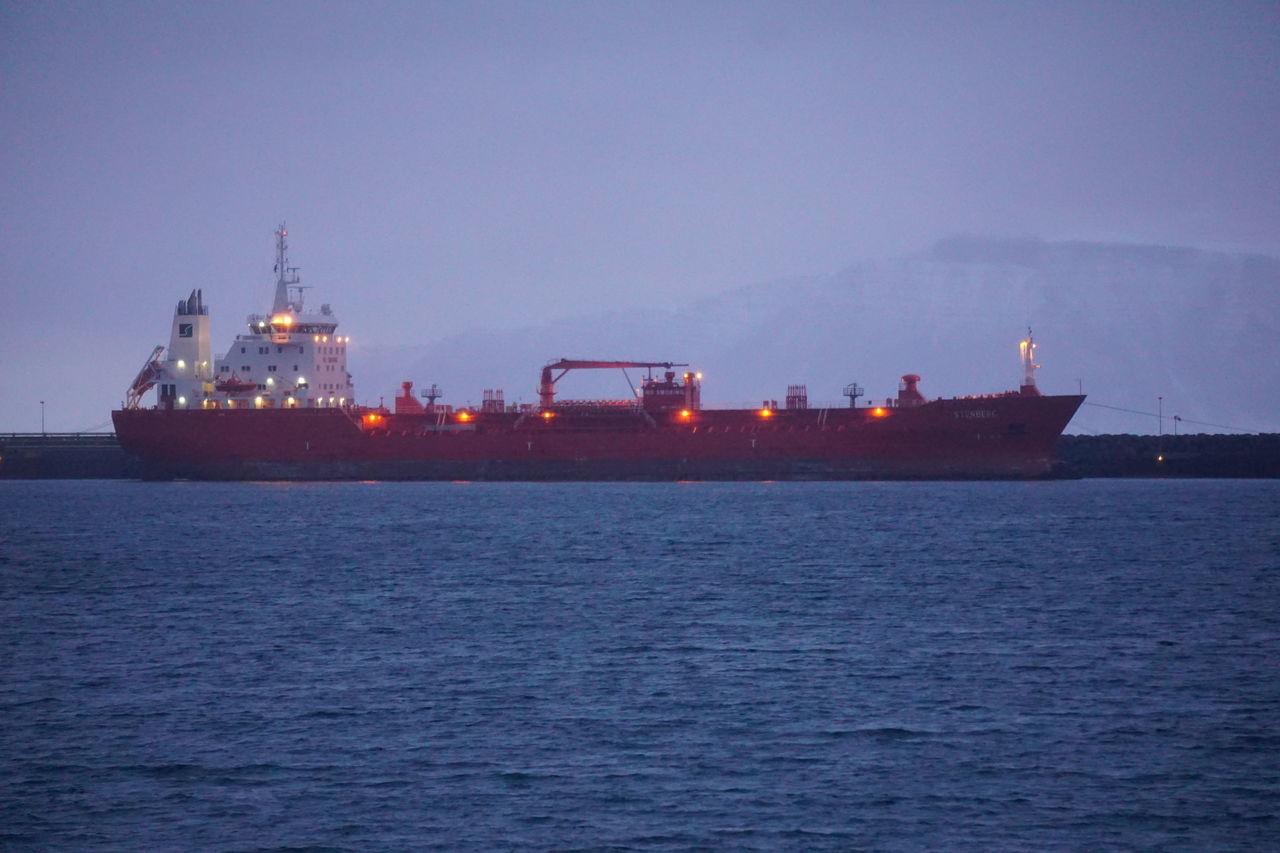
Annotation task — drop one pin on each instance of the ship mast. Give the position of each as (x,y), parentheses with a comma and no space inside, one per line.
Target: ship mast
(1027,350)
(286,276)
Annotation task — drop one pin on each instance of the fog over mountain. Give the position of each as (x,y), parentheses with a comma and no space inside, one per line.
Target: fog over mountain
(1127,323)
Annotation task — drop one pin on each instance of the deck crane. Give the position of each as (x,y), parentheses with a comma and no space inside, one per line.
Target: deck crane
(547,387)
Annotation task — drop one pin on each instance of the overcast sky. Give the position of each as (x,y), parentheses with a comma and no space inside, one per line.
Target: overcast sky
(444,166)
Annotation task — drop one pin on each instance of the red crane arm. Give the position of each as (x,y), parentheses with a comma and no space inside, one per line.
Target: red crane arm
(547,388)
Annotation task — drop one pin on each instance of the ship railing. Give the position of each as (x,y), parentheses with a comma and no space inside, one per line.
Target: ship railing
(813,405)
(863,402)
(596,404)
(996,396)
(354,413)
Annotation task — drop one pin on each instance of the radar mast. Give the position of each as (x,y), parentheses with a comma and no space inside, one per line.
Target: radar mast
(286,276)
(1027,351)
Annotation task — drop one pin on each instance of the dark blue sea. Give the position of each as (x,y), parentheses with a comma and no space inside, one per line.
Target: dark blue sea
(1088,665)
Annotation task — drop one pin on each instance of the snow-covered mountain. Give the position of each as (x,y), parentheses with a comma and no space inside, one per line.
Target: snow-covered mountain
(1130,324)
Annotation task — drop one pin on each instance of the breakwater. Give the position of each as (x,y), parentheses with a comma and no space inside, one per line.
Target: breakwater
(1198,455)
(65,456)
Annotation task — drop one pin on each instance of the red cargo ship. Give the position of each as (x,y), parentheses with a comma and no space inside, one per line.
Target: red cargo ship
(279,406)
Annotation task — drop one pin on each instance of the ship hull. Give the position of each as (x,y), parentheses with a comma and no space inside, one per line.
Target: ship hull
(998,437)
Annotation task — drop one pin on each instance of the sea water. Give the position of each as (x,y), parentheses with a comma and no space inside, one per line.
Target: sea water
(769,666)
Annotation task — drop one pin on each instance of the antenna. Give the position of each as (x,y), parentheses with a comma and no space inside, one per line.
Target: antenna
(286,276)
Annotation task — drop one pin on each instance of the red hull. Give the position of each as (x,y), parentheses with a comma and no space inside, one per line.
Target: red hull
(1006,436)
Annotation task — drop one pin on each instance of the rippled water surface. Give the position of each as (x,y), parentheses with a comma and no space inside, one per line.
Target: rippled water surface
(367,666)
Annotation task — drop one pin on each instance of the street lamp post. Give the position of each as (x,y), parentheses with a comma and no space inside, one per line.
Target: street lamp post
(1160,431)
(42,432)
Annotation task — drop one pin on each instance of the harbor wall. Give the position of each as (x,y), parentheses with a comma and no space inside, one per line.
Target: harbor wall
(65,456)
(1197,455)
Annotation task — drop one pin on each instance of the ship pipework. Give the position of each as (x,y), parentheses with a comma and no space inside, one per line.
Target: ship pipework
(547,385)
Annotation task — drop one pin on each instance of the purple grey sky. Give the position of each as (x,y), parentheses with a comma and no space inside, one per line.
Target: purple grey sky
(444,166)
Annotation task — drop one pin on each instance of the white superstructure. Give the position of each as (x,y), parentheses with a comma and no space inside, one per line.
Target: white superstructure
(290,357)
(187,369)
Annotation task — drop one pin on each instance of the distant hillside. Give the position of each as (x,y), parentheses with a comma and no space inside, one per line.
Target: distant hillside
(1128,323)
